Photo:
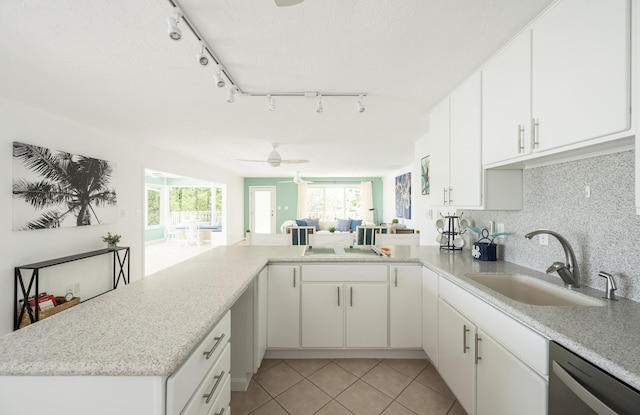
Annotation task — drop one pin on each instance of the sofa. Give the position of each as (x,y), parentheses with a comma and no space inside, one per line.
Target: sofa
(324,225)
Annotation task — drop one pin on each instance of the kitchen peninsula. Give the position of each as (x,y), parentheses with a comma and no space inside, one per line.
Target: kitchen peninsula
(125,344)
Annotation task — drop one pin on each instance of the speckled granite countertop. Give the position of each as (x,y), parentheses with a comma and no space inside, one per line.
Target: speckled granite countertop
(149,327)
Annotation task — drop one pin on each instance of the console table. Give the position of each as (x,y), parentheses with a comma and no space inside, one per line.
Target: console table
(121,269)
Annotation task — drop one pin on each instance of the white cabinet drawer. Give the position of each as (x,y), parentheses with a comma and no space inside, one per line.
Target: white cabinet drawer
(344,273)
(183,382)
(214,393)
(529,346)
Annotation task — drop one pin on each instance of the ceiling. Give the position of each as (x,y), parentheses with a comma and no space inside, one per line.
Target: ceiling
(111,64)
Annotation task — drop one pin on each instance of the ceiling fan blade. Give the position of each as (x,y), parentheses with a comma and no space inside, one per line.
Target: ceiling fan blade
(253,161)
(286,3)
(293,161)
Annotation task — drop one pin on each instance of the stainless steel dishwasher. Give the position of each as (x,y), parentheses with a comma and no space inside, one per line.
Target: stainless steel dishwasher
(579,387)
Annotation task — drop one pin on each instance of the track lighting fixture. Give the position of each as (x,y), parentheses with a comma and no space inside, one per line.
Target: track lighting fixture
(202,57)
(359,103)
(272,103)
(172,22)
(319,108)
(218,76)
(231,95)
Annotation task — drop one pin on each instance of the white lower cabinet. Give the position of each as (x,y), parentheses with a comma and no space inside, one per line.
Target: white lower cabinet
(203,379)
(492,363)
(505,385)
(405,299)
(430,314)
(456,364)
(344,306)
(283,306)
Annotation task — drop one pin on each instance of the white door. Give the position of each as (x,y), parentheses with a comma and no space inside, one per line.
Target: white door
(263,209)
(366,308)
(405,292)
(283,306)
(498,371)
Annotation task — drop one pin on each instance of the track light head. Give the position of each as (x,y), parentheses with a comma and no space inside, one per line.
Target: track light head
(272,103)
(218,76)
(359,104)
(231,95)
(319,108)
(202,57)
(172,23)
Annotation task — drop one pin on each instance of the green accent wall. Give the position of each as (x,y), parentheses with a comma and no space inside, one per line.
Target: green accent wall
(287,194)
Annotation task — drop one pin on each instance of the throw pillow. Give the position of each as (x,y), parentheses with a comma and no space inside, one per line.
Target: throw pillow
(301,222)
(355,223)
(343,225)
(313,222)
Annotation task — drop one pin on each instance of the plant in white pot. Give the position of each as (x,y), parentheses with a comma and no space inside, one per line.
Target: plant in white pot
(111,240)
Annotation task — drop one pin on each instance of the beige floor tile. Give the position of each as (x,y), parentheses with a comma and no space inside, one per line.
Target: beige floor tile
(363,399)
(270,408)
(278,379)
(396,409)
(357,366)
(334,408)
(431,378)
(245,402)
(388,380)
(332,379)
(268,364)
(424,401)
(304,398)
(457,409)
(409,367)
(307,366)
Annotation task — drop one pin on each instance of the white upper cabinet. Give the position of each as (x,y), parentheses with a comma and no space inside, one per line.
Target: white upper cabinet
(581,72)
(506,102)
(465,151)
(561,83)
(439,127)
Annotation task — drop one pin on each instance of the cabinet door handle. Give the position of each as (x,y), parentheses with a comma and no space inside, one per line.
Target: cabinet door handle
(444,199)
(208,396)
(294,278)
(450,192)
(351,295)
(395,282)
(215,346)
(535,127)
(478,340)
(520,138)
(338,296)
(465,330)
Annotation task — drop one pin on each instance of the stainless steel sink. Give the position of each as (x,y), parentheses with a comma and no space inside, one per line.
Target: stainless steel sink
(529,290)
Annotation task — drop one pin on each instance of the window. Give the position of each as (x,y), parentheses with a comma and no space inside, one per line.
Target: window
(154,218)
(331,202)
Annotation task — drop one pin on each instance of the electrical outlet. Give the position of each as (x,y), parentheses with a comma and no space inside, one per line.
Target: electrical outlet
(76,289)
(543,239)
(500,228)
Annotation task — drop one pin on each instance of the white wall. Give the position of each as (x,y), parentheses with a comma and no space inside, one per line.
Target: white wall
(30,125)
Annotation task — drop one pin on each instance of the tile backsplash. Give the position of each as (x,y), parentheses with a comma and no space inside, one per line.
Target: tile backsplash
(603,229)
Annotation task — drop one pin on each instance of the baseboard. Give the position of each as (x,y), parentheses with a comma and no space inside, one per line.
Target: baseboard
(345,354)
(240,384)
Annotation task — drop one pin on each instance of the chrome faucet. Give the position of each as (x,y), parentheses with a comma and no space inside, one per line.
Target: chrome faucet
(569,271)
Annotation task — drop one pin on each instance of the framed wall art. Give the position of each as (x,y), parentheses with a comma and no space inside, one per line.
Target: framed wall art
(403,196)
(425,175)
(54,189)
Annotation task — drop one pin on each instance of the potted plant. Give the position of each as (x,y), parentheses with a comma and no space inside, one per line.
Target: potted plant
(332,229)
(111,240)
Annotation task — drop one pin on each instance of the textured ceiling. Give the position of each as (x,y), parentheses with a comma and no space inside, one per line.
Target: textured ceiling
(110,64)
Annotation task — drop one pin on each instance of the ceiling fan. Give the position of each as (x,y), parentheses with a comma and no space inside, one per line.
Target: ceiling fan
(274,159)
(296,179)
(285,3)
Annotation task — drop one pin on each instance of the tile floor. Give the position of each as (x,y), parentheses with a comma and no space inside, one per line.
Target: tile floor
(344,387)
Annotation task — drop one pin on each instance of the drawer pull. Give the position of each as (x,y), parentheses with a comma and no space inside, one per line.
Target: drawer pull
(221,412)
(215,346)
(209,395)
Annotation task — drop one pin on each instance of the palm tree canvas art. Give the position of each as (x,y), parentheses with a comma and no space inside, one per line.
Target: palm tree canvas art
(53,189)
